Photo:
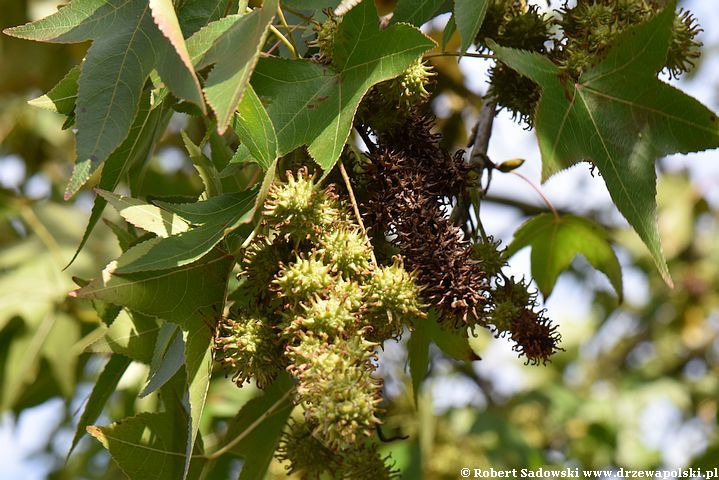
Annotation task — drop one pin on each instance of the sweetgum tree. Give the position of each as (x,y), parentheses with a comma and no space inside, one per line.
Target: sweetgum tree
(328,213)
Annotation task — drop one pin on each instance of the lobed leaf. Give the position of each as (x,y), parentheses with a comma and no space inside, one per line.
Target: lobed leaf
(621,117)
(555,241)
(313,104)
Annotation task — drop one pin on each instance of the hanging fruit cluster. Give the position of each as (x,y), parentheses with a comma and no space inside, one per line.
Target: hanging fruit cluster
(313,302)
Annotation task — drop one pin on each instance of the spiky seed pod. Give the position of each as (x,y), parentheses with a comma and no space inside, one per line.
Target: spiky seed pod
(298,208)
(326,34)
(259,265)
(366,462)
(250,347)
(346,250)
(330,315)
(389,103)
(512,25)
(393,300)
(534,336)
(306,455)
(515,92)
(491,256)
(303,279)
(514,313)
(406,193)
(409,89)
(684,48)
(335,387)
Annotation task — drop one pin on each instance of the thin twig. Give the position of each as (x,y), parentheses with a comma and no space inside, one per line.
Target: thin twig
(540,193)
(348,184)
(231,444)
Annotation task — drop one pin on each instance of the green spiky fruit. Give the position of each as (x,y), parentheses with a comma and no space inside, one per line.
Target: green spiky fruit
(684,48)
(298,208)
(336,388)
(347,250)
(249,346)
(305,454)
(330,315)
(491,255)
(303,279)
(394,299)
(325,41)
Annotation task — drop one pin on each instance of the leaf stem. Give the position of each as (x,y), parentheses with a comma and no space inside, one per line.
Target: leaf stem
(540,193)
(348,184)
(283,21)
(232,443)
(460,54)
(284,40)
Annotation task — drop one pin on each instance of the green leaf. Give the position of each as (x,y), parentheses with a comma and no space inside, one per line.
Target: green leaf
(175,295)
(132,335)
(127,46)
(146,446)
(205,168)
(143,215)
(61,97)
(254,127)
(163,13)
(199,353)
(221,215)
(196,14)
(416,12)
(138,145)
(313,104)
(621,117)
(448,32)
(555,241)
(469,15)
(235,54)
(452,342)
(167,358)
(418,356)
(256,428)
(102,390)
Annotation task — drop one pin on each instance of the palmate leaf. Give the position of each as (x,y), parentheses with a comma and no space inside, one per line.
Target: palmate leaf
(127,46)
(555,241)
(313,104)
(621,117)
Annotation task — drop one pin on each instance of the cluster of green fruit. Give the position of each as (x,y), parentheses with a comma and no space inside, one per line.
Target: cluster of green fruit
(313,302)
